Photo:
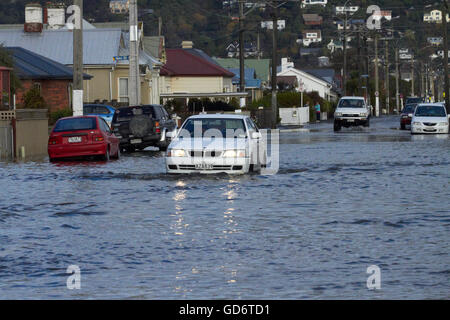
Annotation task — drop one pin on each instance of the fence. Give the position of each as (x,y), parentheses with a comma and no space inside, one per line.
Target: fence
(6,144)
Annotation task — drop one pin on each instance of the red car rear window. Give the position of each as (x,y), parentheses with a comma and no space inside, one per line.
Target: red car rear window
(75,124)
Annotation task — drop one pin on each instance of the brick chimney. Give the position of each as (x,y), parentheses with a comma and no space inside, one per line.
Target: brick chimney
(33,18)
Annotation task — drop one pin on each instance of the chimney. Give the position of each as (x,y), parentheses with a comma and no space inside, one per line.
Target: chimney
(33,18)
(56,16)
(187,45)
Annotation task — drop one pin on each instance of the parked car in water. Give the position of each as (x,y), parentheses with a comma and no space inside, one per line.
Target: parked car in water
(430,118)
(217,144)
(83,136)
(140,127)
(405,116)
(351,111)
(101,110)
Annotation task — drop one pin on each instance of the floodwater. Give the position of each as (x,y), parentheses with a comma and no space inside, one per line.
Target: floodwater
(339,204)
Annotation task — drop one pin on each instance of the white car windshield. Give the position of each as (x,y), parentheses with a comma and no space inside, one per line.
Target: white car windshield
(213,127)
(430,111)
(351,103)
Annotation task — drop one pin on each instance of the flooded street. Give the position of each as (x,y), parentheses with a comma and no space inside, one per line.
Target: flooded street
(339,204)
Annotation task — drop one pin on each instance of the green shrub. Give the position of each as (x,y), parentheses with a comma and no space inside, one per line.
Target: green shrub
(62,113)
(33,99)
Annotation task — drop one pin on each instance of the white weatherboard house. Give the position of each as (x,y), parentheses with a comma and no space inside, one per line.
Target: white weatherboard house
(310,82)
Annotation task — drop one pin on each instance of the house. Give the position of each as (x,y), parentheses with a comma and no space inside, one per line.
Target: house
(312,19)
(308,81)
(404,54)
(53,79)
(119,6)
(335,45)
(269,24)
(191,71)
(435,41)
(306,3)
(253,85)
(106,52)
(261,67)
(250,50)
(346,9)
(383,14)
(311,36)
(353,24)
(323,61)
(434,16)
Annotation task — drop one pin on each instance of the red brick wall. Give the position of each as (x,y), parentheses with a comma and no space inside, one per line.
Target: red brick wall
(54,92)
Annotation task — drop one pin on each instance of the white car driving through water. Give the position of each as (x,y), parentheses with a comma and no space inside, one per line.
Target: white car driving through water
(350,112)
(430,118)
(217,143)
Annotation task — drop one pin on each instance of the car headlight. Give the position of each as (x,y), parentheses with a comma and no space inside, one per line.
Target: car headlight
(234,154)
(443,124)
(363,114)
(176,153)
(338,114)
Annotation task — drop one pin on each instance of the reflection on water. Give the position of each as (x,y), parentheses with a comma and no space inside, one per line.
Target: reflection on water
(339,204)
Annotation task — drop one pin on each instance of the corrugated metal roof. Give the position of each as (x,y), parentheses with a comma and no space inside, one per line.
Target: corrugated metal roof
(100,45)
(29,65)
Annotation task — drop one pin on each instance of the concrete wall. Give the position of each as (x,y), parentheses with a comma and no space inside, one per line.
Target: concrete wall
(31,132)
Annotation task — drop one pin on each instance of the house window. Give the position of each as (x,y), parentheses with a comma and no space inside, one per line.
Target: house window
(37,85)
(123,90)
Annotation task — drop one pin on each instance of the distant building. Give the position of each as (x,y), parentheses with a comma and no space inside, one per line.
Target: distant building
(311,36)
(119,6)
(269,24)
(312,19)
(335,45)
(386,14)
(435,41)
(434,16)
(348,9)
(250,50)
(305,3)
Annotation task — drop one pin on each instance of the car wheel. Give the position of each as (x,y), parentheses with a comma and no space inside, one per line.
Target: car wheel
(106,157)
(337,126)
(367,124)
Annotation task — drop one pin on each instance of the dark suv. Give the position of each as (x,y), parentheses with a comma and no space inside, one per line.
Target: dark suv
(144,126)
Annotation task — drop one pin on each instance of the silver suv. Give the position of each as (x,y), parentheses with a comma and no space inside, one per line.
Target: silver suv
(351,111)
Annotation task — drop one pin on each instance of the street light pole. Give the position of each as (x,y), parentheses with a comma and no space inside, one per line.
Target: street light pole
(446,80)
(77,86)
(241,51)
(134,74)
(274,68)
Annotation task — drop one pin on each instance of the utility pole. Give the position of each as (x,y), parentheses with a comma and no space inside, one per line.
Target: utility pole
(241,51)
(258,45)
(377,89)
(446,80)
(134,75)
(77,92)
(274,68)
(397,76)
(412,76)
(160,22)
(344,75)
(387,78)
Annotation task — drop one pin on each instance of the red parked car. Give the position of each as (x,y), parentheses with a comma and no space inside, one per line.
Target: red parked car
(82,137)
(405,119)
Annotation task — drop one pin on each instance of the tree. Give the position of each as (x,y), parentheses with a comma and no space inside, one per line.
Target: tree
(34,100)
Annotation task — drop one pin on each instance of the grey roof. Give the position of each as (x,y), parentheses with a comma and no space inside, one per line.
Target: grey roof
(100,45)
(153,46)
(29,65)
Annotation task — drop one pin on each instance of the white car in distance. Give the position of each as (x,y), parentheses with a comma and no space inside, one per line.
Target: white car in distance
(430,118)
(217,143)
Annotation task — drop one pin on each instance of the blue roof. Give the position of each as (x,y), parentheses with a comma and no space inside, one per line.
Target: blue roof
(29,65)
(100,45)
(250,75)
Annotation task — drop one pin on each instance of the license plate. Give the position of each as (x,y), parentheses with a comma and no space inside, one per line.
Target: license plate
(350,120)
(136,141)
(204,166)
(75,140)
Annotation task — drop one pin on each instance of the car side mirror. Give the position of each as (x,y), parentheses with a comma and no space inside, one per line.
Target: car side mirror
(172,134)
(256,135)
